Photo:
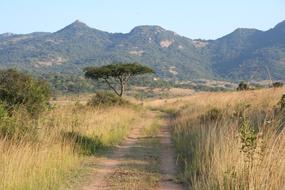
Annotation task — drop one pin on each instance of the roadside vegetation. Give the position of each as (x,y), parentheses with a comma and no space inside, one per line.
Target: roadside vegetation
(43,145)
(54,151)
(226,140)
(231,140)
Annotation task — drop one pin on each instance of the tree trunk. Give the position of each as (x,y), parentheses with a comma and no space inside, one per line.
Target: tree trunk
(122,80)
(122,89)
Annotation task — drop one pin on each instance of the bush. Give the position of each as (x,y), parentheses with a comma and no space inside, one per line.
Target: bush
(213,114)
(282,102)
(277,84)
(242,86)
(18,126)
(3,111)
(21,90)
(248,137)
(106,99)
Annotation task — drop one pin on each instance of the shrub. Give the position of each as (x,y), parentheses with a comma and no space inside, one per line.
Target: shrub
(3,111)
(213,114)
(106,99)
(282,102)
(242,86)
(19,126)
(277,84)
(248,138)
(21,90)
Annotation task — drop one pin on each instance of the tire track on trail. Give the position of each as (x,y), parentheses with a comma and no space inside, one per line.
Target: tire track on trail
(168,165)
(141,162)
(107,165)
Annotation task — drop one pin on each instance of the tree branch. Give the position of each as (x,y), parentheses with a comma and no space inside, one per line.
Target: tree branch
(114,89)
(127,78)
(122,85)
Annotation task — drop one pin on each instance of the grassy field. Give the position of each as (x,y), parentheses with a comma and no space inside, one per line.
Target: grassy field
(56,145)
(232,140)
(225,140)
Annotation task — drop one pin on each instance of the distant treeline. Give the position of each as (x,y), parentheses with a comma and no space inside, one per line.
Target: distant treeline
(73,84)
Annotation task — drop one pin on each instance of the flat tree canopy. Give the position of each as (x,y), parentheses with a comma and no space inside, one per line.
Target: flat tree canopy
(118,72)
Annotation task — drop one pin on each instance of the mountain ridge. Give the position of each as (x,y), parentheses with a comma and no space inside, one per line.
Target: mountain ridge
(236,56)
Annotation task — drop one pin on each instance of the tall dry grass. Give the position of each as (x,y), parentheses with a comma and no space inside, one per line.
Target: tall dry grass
(47,156)
(231,140)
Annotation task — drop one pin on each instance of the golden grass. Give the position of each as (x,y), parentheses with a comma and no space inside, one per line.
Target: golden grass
(214,151)
(65,137)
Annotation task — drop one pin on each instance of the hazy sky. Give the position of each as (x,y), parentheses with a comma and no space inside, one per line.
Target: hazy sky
(207,19)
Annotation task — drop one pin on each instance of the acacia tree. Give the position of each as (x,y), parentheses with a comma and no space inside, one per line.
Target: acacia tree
(117,73)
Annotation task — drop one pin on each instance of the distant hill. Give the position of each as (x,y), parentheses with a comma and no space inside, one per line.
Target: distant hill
(250,54)
(243,54)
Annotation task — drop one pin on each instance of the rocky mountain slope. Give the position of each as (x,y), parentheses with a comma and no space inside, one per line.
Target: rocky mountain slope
(243,54)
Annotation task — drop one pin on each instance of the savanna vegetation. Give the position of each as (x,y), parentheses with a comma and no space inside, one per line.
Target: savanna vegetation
(224,140)
(232,140)
(117,75)
(44,145)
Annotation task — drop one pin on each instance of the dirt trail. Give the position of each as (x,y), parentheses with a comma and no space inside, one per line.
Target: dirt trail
(168,163)
(106,166)
(132,164)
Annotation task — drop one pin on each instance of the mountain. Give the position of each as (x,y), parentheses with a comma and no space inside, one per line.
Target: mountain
(250,54)
(242,54)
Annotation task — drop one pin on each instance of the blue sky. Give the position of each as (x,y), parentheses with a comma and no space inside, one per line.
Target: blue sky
(206,19)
